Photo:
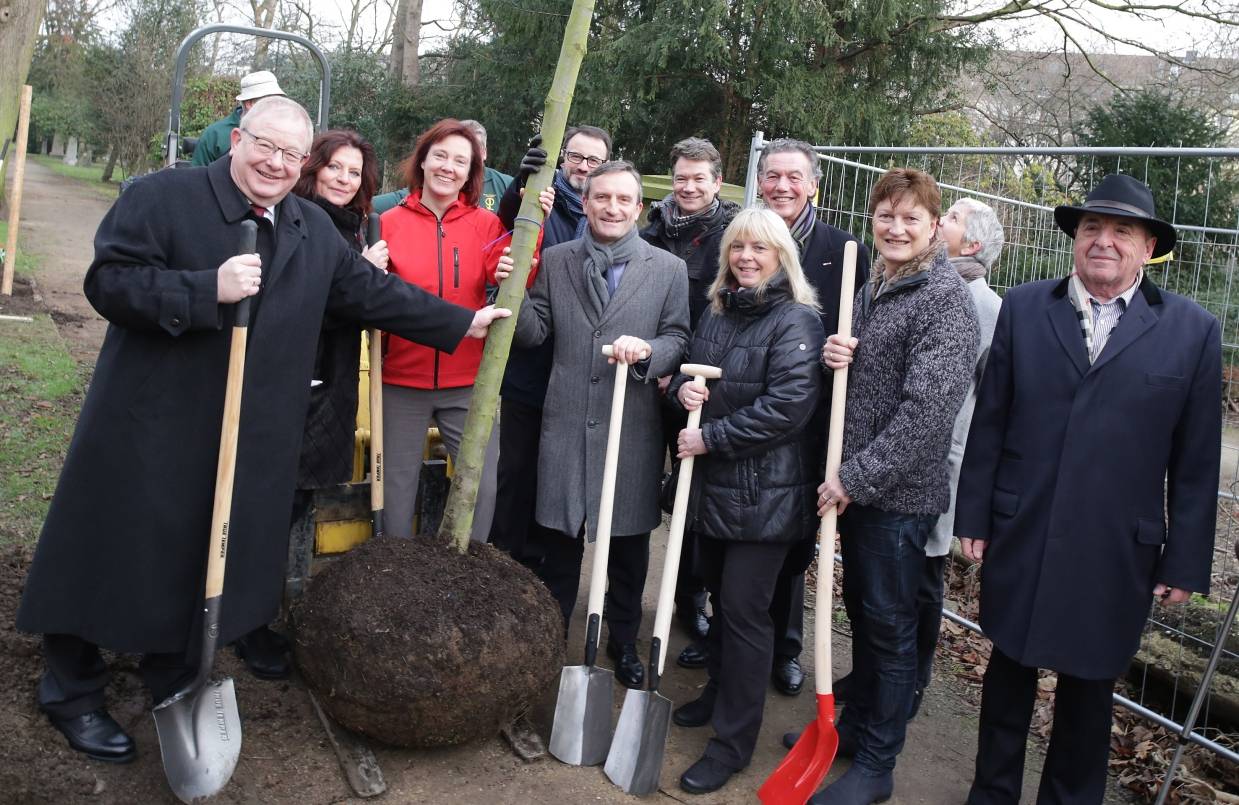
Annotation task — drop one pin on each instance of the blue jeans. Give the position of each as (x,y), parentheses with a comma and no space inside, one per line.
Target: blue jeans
(883,561)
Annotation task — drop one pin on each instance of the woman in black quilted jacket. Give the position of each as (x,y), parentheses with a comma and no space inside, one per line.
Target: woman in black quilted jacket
(753,487)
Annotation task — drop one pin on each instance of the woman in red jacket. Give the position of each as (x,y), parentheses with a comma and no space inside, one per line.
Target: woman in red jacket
(439,239)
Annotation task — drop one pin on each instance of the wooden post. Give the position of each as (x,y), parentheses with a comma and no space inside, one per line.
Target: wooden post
(15,200)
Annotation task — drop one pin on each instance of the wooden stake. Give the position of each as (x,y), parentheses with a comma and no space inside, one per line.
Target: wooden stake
(15,200)
(457,520)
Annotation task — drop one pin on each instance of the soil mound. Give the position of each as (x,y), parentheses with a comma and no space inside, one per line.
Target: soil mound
(413,644)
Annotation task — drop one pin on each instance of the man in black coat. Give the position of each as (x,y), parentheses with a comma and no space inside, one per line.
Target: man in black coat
(788,176)
(121,561)
(1089,486)
(689,223)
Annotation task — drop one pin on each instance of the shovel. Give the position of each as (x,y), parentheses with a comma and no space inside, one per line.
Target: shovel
(581,731)
(376,404)
(199,727)
(808,762)
(635,761)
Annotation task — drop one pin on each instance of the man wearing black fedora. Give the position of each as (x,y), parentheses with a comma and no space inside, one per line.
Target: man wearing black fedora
(1088,486)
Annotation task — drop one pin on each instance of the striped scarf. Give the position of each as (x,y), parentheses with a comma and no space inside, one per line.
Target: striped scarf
(803,226)
(1082,301)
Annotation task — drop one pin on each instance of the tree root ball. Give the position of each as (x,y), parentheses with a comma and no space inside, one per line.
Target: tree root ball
(411,643)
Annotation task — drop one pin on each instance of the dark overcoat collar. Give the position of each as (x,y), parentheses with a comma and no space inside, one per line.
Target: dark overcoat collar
(290,219)
(1141,315)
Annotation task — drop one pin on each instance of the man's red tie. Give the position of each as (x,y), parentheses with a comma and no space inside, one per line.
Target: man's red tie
(259,210)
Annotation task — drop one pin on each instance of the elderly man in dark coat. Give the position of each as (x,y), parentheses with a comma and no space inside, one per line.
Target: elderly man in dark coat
(122,558)
(1088,487)
(609,287)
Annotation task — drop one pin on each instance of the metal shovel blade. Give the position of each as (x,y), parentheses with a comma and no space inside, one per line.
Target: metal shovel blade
(581,732)
(199,738)
(635,761)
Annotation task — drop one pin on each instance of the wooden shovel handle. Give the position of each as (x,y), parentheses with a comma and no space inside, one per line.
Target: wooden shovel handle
(225,470)
(376,402)
(675,537)
(834,456)
(606,506)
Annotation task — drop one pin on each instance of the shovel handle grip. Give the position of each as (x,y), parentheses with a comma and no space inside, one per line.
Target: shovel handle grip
(606,506)
(834,457)
(675,536)
(248,245)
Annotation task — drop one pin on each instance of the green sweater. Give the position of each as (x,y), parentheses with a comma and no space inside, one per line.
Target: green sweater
(215,140)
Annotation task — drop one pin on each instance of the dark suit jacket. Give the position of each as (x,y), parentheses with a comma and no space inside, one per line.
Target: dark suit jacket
(1068,466)
(822,263)
(122,557)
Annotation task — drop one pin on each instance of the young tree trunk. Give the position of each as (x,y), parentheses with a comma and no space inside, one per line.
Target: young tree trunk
(19,24)
(458,515)
(110,168)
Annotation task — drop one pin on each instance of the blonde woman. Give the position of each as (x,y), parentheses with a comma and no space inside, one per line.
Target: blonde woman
(753,488)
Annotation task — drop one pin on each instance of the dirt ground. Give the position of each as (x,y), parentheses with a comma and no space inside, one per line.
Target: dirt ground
(286,757)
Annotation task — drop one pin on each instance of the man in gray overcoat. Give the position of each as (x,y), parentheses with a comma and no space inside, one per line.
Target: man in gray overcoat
(1089,486)
(608,287)
(122,559)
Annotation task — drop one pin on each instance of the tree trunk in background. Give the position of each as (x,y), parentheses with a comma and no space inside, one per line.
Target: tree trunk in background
(264,16)
(458,515)
(110,168)
(406,39)
(19,26)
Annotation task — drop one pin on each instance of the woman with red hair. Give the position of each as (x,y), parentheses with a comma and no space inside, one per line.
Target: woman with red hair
(442,241)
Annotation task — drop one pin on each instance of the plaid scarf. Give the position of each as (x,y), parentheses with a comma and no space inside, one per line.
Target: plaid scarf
(1083,303)
(675,224)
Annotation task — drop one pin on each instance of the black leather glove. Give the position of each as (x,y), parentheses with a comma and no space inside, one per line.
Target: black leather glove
(534,159)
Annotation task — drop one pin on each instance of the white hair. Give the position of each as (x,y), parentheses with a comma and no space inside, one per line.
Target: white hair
(983,227)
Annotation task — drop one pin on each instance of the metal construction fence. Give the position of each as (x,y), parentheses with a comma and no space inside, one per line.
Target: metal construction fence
(1198,191)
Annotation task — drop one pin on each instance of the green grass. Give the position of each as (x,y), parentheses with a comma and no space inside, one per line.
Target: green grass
(26,261)
(40,394)
(91,175)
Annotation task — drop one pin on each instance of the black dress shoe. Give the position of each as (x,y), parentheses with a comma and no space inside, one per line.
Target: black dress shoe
(694,655)
(97,735)
(786,675)
(264,653)
(696,713)
(628,668)
(694,621)
(706,775)
(847,742)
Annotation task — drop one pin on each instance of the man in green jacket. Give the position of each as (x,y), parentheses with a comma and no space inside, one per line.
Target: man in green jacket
(216,138)
(493,187)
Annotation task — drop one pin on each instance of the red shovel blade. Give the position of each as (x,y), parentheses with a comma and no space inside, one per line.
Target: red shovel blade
(808,762)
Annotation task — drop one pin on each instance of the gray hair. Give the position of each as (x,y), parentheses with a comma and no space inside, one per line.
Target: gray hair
(478,130)
(786,145)
(615,166)
(982,226)
(279,104)
(695,149)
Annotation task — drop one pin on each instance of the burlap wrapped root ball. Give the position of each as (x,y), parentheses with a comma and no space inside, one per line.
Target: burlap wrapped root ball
(414,644)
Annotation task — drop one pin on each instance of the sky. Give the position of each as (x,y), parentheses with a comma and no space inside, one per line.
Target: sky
(1172,32)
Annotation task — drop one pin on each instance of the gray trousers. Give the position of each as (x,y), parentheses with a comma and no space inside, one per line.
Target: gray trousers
(407,412)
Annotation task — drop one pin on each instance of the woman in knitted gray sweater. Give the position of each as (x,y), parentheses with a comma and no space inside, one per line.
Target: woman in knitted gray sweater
(912,357)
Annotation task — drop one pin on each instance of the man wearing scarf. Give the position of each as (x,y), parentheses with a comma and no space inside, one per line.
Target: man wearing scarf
(689,223)
(1089,486)
(524,381)
(608,287)
(788,175)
